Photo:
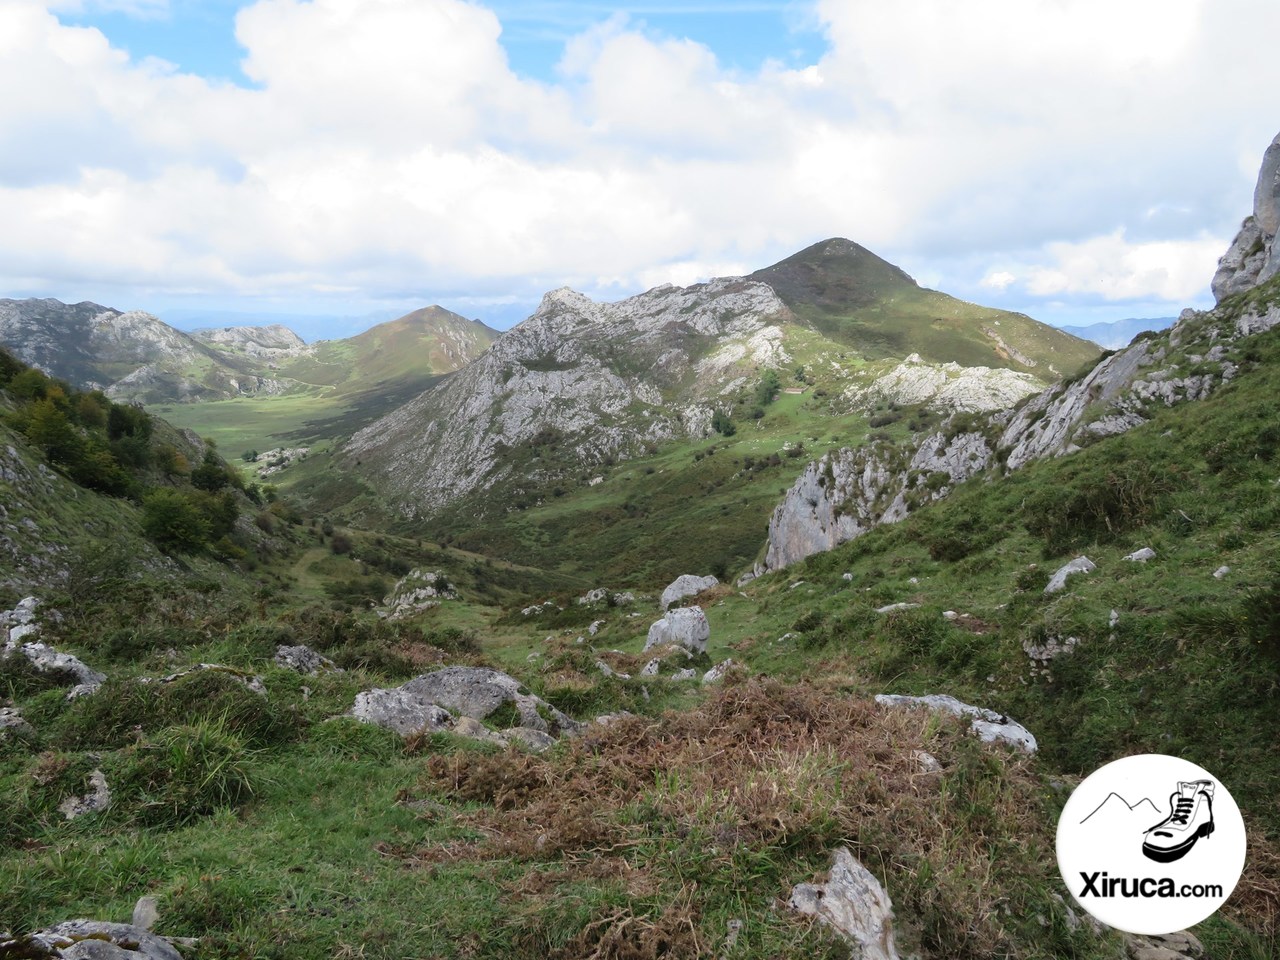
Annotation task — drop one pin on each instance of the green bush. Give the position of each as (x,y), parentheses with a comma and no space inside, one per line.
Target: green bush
(174,521)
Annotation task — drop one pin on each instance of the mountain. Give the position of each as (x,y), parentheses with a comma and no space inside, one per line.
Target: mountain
(858,299)
(130,356)
(580,385)
(1118,333)
(422,344)
(136,356)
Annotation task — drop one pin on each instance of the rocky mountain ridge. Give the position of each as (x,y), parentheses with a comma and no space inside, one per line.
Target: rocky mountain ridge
(582,383)
(849,491)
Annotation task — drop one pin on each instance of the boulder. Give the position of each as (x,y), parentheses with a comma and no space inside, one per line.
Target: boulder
(685,627)
(1058,581)
(854,904)
(987,724)
(686,586)
(430,702)
(895,607)
(399,710)
(303,659)
(91,940)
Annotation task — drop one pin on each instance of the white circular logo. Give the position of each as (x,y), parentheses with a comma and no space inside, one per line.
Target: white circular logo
(1151,844)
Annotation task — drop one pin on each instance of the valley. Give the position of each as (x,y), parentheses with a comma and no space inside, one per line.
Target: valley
(570,641)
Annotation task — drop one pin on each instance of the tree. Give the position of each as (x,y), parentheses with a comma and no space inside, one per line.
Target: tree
(49,429)
(767,389)
(210,475)
(174,521)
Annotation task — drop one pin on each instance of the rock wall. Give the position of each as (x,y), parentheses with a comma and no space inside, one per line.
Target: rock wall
(1253,256)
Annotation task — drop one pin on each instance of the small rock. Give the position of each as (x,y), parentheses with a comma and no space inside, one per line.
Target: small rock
(11,721)
(145,913)
(950,615)
(927,762)
(1221,572)
(96,801)
(686,674)
(896,606)
(303,659)
(595,627)
(535,740)
(914,580)
(847,576)
(1059,580)
(651,668)
(798,583)
(1142,556)
(1113,619)
(853,903)
(717,673)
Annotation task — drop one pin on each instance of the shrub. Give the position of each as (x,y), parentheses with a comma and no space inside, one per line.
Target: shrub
(173,521)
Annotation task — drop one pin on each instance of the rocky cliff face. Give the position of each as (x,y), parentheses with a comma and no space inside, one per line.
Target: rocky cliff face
(275,342)
(581,381)
(850,491)
(1253,257)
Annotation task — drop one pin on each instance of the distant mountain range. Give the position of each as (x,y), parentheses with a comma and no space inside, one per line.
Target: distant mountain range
(136,356)
(1119,333)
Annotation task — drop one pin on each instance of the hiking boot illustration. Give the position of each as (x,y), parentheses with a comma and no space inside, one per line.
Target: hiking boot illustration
(1190,818)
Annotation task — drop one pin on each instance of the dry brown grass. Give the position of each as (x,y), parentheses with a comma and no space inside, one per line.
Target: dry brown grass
(785,772)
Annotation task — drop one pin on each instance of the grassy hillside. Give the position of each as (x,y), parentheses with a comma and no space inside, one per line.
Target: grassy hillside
(268,829)
(857,299)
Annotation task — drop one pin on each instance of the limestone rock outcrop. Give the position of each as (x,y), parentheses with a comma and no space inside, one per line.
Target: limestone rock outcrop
(854,904)
(415,592)
(987,724)
(1254,257)
(684,586)
(850,491)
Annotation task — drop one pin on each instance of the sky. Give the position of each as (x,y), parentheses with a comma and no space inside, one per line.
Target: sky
(337,162)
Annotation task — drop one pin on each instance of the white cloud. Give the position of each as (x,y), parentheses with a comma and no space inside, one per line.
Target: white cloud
(997,280)
(1115,269)
(388,145)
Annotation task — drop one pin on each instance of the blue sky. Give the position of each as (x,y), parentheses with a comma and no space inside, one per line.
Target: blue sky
(198,36)
(1073,159)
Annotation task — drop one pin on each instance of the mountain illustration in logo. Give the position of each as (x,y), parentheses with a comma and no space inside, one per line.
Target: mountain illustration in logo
(1117,808)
